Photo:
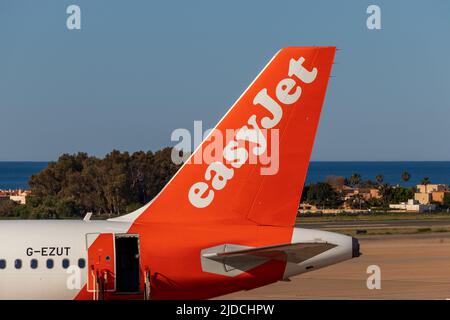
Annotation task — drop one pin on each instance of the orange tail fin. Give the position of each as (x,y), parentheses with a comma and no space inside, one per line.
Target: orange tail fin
(257,175)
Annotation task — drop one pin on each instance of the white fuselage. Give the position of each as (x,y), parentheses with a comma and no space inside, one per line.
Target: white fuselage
(22,241)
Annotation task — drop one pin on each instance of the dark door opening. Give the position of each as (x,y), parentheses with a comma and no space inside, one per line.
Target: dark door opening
(127,264)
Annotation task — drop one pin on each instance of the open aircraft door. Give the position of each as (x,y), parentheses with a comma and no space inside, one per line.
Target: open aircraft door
(101,263)
(114,264)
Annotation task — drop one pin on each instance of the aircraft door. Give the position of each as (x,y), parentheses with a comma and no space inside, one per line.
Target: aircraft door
(101,262)
(127,264)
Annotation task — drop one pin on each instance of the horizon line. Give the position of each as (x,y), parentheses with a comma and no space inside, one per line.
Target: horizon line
(42,161)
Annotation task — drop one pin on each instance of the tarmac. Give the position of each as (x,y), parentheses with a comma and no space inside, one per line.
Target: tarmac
(412,267)
(375,224)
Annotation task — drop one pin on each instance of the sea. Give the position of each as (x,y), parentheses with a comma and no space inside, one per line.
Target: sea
(15,174)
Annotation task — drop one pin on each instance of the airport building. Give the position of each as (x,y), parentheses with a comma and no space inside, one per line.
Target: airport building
(19,196)
(429,193)
(413,205)
(365,193)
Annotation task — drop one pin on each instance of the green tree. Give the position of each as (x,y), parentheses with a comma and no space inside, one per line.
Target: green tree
(354,179)
(323,195)
(385,193)
(446,202)
(304,197)
(406,176)
(7,208)
(391,194)
(116,184)
(400,194)
(379,179)
(425,182)
(356,202)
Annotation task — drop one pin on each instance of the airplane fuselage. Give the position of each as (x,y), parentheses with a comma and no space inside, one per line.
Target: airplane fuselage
(61,259)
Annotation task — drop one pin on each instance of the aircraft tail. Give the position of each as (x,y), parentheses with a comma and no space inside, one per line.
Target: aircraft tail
(252,167)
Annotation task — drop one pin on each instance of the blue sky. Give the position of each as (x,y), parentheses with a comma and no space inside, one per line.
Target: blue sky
(139,69)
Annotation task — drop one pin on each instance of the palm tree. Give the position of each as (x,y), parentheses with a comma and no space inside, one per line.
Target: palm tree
(354,179)
(385,193)
(406,176)
(359,199)
(379,178)
(425,182)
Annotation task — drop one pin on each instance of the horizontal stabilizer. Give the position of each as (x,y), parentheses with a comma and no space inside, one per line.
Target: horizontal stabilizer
(292,252)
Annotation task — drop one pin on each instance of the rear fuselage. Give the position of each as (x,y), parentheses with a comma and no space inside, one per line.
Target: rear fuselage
(61,259)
